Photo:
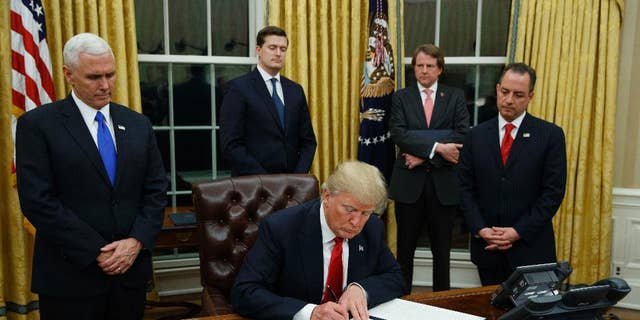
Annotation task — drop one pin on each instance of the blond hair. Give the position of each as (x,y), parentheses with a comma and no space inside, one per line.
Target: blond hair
(362,181)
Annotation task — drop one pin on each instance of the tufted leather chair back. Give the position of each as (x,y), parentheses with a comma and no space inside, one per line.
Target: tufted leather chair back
(228,212)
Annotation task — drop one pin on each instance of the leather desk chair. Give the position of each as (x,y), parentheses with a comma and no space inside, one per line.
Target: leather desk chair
(228,212)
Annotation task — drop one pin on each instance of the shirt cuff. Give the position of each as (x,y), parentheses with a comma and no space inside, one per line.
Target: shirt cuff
(305,312)
(433,150)
(366,295)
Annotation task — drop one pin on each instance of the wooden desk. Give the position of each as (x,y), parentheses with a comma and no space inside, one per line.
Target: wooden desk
(172,236)
(473,301)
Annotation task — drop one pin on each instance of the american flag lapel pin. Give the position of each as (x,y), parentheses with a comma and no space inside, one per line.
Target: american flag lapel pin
(121,127)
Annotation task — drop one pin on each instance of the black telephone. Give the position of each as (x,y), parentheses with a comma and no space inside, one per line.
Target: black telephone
(531,281)
(585,303)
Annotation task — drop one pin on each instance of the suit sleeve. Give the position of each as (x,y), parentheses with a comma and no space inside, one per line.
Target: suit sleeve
(386,282)
(57,224)
(307,138)
(148,222)
(253,295)
(461,121)
(232,130)
(468,188)
(400,128)
(554,178)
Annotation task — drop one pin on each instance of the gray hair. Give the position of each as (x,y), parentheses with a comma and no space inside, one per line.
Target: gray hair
(88,43)
(362,181)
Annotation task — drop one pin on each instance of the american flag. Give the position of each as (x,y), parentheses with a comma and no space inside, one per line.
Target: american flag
(378,83)
(32,84)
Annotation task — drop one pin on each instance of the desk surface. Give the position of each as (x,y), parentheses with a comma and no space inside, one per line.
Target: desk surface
(473,301)
(172,236)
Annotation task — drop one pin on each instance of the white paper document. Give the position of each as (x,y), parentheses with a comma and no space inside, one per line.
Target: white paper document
(398,309)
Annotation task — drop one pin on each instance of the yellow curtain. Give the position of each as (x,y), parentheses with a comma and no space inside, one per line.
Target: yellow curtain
(573,45)
(114,21)
(327,45)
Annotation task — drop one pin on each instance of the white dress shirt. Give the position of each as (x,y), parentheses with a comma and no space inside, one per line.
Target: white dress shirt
(423,97)
(89,115)
(327,247)
(267,81)
(516,123)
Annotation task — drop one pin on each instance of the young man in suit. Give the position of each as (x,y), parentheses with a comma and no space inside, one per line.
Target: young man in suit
(265,125)
(513,173)
(91,181)
(428,123)
(322,259)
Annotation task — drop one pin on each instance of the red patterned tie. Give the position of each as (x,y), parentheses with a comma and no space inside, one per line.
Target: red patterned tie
(333,289)
(507,141)
(428,106)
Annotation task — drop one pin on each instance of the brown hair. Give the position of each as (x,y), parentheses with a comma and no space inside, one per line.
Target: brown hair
(521,68)
(430,50)
(269,31)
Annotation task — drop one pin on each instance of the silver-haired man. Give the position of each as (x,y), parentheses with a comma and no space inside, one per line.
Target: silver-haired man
(91,181)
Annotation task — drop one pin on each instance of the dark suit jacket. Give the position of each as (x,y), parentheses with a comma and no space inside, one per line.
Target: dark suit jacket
(283,270)
(252,139)
(65,193)
(407,114)
(525,194)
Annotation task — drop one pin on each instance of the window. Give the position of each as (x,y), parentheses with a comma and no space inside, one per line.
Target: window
(473,35)
(187,51)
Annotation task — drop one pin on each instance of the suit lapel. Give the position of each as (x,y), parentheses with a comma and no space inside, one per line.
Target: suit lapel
(287,91)
(74,123)
(418,111)
(357,251)
(310,242)
(494,142)
(261,88)
(119,129)
(439,107)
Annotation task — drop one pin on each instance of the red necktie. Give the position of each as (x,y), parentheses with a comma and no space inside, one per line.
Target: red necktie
(507,141)
(428,106)
(333,289)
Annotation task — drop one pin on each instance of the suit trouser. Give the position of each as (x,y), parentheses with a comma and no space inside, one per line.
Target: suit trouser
(438,219)
(118,303)
(496,273)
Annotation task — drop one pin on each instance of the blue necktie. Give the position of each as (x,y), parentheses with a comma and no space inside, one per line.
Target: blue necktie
(106,147)
(277,102)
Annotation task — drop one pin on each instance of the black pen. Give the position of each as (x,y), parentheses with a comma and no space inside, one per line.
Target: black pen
(333,294)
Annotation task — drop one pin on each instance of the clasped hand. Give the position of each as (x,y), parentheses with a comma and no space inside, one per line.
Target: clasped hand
(352,301)
(499,238)
(411,161)
(118,256)
(449,151)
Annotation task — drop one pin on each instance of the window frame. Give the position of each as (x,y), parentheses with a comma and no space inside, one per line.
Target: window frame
(461,266)
(256,9)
